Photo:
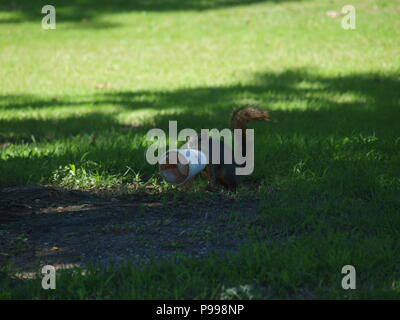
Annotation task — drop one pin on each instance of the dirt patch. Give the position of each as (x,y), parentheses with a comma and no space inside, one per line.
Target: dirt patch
(43,225)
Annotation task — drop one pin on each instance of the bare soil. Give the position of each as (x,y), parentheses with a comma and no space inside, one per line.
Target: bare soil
(46,225)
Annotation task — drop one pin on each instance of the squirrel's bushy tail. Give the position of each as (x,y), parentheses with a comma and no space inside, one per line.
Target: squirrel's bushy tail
(244,114)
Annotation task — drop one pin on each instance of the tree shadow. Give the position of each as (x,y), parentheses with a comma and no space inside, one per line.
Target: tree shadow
(302,102)
(30,130)
(90,10)
(374,95)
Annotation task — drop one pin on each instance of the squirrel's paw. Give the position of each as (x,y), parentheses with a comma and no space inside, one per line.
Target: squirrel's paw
(212,188)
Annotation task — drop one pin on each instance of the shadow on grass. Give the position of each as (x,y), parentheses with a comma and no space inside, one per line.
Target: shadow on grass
(299,94)
(303,104)
(90,10)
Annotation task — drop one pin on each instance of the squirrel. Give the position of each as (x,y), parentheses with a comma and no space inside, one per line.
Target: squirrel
(223,173)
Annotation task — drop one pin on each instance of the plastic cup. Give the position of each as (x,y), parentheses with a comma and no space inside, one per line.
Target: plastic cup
(190,162)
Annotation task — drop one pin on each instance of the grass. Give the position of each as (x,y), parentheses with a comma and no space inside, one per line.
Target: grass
(327,169)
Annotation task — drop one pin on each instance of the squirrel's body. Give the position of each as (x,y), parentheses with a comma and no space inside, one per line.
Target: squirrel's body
(225,173)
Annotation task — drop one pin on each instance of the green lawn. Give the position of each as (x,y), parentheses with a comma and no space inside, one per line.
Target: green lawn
(76,104)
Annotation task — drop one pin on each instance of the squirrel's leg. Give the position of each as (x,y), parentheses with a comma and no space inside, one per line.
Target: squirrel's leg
(212,178)
(227,177)
(187,185)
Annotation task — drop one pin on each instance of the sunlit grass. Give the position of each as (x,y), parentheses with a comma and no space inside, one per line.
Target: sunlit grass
(76,104)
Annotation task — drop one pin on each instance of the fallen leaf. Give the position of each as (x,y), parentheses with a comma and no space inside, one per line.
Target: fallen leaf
(333,14)
(101,85)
